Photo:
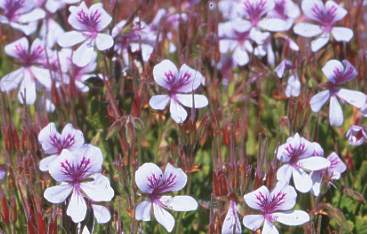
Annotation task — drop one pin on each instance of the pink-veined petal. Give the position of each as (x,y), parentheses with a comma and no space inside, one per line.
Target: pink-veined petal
(180,177)
(287,192)
(330,69)
(308,7)
(193,79)
(44,138)
(164,70)
(105,18)
(77,136)
(339,11)
(252,200)
(15,48)
(143,173)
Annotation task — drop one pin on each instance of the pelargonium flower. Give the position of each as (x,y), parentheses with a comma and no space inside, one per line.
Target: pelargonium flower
(180,86)
(80,181)
(88,24)
(356,135)
(53,143)
(230,9)
(231,223)
(281,17)
(31,72)
(274,206)
(333,172)
(154,183)
(21,15)
(325,16)
(256,10)
(337,73)
(236,38)
(293,88)
(300,156)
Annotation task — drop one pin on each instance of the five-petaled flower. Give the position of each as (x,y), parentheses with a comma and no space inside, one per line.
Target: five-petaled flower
(31,58)
(154,183)
(337,73)
(333,172)
(53,142)
(356,135)
(180,86)
(300,156)
(21,15)
(89,24)
(325,15)
(231,223)
(79,173)
(274,206)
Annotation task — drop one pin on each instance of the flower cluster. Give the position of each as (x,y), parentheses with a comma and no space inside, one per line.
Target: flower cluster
(76,167)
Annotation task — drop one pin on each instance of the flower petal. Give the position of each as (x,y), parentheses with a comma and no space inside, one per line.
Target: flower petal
(43,76)
(104,41)
(314,163)
(275,24)
(318,100)
(34,15)
(231,223)
(287,193)
(58,194)
(180,177)
(99,189)
(27,90)
(143,211)
(191,79)
(163,217)
(336,117)
(308,7)
(142,175)
(77,208)
(192,100)
(159,102)
(44,138)
(302,180)
(11,80)
(164,71)
(284,173)
(269,228)
(251,198)
(45,162)
(101,213)
(14,48)
(69,39)
(240,56)
(292,218)
(253,222)
(76,135)
(307,30)
(320,42)
(342,34)
(178,113)
(179,203)
(84,54)
(355,98)
(316,178)
(330,69)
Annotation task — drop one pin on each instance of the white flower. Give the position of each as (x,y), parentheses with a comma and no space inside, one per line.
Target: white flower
(325,15)
(21,15)
(281,17)
(78,174)
(293,88)
(236,38)
(283,66)
(50,31)
(89,24)
(356,135)
(337,73)
(230,9)
(30,74)
(333,172)
(231,223)
(154,183)
(300,156)
(53,143)
(274,206)
(180,86)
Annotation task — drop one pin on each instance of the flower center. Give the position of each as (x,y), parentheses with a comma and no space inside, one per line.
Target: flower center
(161,184)
(295,153)
(90,21)
(326,17)
(255,10)
(175,83)
(76,173)
(11,7)
(270,204)
(279,8)
(61,144)
(28,58)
